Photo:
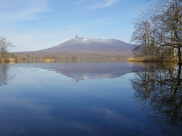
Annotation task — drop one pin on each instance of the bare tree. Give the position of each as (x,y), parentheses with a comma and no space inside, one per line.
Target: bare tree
(159,27)
(141,33)
(4,46)
(172,19)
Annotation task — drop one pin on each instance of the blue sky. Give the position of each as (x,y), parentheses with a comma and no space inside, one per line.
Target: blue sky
(39,24)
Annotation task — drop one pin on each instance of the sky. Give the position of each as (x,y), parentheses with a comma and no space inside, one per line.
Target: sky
(39,24)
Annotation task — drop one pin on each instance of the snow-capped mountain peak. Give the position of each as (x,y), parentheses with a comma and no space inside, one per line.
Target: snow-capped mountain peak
(81,46)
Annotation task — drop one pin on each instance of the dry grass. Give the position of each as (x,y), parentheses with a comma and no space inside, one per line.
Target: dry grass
(138,59)
(10,60)
(48,60)
(144,59)
(175,59)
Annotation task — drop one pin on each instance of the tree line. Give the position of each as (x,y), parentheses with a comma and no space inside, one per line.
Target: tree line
(158,31)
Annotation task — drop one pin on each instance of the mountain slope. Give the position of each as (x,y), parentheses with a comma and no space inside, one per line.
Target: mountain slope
(83,46)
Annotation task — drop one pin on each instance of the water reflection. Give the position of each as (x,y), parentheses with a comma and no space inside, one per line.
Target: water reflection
(39,102)
(158,88)
(83,71)
(75,71)
(4,76)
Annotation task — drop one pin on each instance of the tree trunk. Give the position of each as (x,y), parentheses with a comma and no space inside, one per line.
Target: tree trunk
(179,55)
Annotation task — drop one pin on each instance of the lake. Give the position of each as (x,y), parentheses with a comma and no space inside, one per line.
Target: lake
(90,99)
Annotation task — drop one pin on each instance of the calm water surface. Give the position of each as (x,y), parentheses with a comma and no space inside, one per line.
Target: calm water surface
(90,99)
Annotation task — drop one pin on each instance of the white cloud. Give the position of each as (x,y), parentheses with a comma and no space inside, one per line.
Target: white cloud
(110,3)
(12,11)
(106,3)
(21,9)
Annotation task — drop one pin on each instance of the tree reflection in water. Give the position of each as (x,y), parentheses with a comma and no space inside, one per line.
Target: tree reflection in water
(4,77)
(158,88)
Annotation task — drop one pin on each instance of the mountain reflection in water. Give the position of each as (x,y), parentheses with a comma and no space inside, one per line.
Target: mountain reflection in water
(82,71)
(158,88)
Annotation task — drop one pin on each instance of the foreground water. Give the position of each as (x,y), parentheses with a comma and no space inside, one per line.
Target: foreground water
(90,99)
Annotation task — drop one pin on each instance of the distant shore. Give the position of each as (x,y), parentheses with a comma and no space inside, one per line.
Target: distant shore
(19,58)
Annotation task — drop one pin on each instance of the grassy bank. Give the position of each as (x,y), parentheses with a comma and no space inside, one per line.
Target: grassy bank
(8,60)
(148,59)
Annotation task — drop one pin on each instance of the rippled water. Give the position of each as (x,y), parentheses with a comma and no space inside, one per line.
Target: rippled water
(90,99)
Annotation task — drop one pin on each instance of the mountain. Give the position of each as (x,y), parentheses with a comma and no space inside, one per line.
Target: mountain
(84,46)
